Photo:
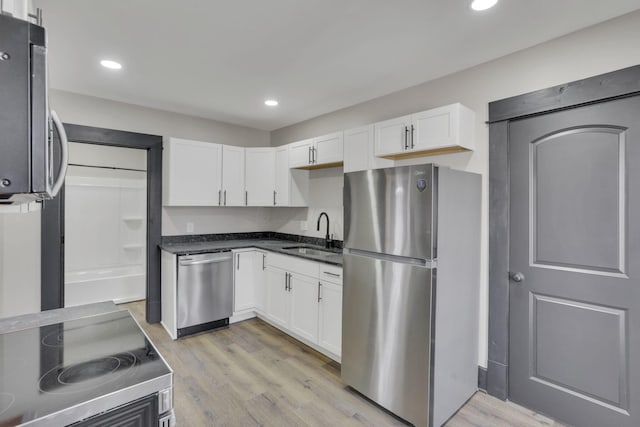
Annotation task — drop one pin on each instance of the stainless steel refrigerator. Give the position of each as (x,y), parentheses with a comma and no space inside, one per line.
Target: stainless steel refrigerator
(411,289)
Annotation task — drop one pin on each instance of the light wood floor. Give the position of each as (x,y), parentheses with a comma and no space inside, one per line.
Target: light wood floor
(251,374)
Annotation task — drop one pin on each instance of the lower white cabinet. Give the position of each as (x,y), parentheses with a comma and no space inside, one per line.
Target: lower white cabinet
(260,281)
(278,297)
(304,306)
(243,279)
(330,317)
(301,297)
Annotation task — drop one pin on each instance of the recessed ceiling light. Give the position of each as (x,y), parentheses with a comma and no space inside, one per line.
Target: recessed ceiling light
(271,102)
(113,65)
(483,4)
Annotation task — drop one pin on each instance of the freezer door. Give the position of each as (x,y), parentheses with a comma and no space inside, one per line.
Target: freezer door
(386,329)
(391,211)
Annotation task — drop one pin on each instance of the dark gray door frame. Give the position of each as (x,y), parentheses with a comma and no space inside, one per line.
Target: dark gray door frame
(605,87)
(52,250)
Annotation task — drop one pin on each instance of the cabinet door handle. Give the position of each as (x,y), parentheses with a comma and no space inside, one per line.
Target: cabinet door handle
(286,285)
(313,155)
(225,197)
(246,198)
(331,274)
(309,155)
(406,137)
(290,281)
(274,197)
(219,197)
(412,133)
(319,287)
(264,256)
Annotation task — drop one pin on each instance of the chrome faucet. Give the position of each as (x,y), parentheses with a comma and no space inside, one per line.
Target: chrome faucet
(327,243)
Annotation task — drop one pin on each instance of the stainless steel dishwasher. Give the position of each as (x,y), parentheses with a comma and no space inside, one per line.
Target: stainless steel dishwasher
(205,291)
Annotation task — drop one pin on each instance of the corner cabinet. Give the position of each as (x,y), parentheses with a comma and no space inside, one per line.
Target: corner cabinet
(321,152)
(191,173)
(359,150)
(447,129)
(292,185)
(261,176)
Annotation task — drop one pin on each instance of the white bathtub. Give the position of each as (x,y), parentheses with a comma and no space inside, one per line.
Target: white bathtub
(117,284)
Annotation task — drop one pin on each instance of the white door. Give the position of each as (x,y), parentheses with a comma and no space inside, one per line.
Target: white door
(278,296)
(304,307)
(260,173)
(392,136)
(328,149)
(283,176)
(359,150)
(243,280)
(193,176)
(434,129)
(300,153)
(232,176)
(260,280)
(330,317)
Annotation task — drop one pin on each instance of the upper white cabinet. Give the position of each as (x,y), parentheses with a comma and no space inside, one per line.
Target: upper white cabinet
(300,153)
(16,8)
(320,152)
(441,130)
(292,185)
(232,176)
(359,150)
(191,173)
(260,176)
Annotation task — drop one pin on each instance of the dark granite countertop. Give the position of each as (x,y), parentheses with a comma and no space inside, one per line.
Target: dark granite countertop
(273,242)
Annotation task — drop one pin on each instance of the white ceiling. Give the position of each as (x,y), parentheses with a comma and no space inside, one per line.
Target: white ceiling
(221,59)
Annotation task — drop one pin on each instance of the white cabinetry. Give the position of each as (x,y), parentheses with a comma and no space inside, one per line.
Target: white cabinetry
(278,307)
(260,281)
(441,130)
(191,172)
(232,169)
(304,306)
(330,309)
(359,150)
(292,185)
(300,153)
(261,176)
(319,152)
(243,279)
(16,8)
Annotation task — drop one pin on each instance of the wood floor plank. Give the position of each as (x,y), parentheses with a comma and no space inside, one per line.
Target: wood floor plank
(252,374)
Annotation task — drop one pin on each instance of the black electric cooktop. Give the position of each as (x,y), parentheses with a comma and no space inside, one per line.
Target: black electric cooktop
(51,368)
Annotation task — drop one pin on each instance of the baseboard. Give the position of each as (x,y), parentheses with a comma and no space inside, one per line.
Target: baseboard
(482,378)
(242,315)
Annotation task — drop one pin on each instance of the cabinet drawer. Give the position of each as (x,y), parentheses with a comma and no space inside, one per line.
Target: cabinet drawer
(330,273)
(293,264)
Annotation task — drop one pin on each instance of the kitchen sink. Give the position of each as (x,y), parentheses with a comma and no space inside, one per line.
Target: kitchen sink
(309,251)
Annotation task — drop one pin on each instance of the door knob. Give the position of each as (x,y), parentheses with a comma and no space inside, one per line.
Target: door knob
(516,277)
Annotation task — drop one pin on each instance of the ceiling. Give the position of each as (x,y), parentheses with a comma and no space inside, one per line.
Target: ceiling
(221,59)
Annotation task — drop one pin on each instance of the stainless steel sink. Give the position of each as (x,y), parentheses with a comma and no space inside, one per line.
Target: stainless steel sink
(309,251)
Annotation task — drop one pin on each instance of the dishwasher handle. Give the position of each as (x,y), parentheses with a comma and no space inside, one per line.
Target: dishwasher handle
(225,256)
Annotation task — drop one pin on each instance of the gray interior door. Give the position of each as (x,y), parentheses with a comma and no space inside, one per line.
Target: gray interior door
(574,340)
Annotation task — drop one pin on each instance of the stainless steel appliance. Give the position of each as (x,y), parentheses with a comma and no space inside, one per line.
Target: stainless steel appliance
(410,297)
(205,291)
(99,369)
(27,167)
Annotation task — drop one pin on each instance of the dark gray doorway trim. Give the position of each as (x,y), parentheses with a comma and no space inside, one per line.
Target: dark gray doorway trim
(52,249)
(605,87)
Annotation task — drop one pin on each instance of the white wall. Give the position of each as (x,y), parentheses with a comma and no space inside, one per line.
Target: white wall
(599,49)
(20,233)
